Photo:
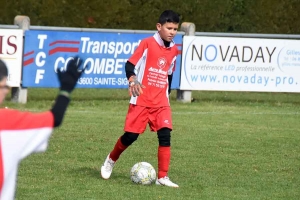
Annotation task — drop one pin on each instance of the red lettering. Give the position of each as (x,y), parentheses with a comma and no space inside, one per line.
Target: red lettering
(1,38)
(11,44)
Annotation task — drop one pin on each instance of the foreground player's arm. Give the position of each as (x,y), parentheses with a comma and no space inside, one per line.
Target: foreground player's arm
(34,129)
(23,133)
(68,82)
(59,108)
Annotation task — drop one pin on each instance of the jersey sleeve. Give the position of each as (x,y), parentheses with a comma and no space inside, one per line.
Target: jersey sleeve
(21,133)
(24,133)
(138,53)
(173,63)
(172,67)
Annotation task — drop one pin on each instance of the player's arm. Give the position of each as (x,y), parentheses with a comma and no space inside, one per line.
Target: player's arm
(170,74)
(129,70)
(68,82)
(170,77)
(25,120)
(59,108)
(135,87)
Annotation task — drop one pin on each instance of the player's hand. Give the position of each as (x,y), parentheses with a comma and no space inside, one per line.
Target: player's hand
(69,78)
(135,87)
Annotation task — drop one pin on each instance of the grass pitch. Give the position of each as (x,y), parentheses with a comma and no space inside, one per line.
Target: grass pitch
(225,145)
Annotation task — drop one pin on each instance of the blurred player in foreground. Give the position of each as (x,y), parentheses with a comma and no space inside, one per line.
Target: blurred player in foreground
(149,71)
(23,133)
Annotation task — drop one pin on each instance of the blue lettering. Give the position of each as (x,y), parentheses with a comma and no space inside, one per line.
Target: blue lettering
(216,53)
(194,78)
(203,78)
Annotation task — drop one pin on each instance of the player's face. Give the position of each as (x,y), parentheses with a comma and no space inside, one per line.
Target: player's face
(3,89)
(167,31)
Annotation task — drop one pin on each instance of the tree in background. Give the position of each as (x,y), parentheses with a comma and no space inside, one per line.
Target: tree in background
(239,16)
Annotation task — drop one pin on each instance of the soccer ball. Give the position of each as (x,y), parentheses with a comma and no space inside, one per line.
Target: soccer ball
(143,173)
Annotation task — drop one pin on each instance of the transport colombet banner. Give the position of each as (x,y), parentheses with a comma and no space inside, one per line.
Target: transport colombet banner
(240,64)
(104,55)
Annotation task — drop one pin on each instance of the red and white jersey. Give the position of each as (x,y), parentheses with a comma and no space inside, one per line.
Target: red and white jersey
(21,133)
(153,63)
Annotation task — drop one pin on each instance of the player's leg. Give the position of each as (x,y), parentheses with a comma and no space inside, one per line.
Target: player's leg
(164,152)
(164,157)
(162,123)
(123,142)
(135,124)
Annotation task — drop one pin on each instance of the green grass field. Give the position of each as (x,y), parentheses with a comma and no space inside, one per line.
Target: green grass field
(225,145)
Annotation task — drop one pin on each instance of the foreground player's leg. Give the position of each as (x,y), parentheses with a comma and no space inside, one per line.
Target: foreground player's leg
(164,157)
(123,142)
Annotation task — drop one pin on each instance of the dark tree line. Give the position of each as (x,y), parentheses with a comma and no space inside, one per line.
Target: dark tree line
(239,16)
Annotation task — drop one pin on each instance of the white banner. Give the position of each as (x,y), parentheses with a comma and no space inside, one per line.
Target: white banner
(11,50)
(240,64)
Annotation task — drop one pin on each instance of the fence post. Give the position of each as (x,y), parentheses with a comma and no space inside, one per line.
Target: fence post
(19,94)
(186,95)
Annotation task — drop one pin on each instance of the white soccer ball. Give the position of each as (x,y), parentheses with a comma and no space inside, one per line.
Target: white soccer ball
(143,173)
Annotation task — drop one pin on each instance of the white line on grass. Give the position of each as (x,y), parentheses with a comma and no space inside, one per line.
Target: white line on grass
(236,113)
(183,113)
(195,113)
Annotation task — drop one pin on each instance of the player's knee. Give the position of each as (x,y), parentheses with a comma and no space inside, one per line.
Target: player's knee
(164,137)
(128,138)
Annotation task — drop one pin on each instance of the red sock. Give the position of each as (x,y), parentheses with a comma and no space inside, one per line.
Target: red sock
(164,156)
(118,149)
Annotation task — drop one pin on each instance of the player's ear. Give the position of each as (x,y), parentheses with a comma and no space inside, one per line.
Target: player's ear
(158,26)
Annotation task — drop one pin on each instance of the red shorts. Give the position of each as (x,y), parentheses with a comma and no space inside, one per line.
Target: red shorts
(138,117)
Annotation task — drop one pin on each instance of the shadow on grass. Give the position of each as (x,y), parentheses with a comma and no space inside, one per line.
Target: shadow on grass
(94,172)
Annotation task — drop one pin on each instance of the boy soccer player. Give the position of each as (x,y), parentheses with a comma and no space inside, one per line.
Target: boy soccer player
(24,133)
(149,71)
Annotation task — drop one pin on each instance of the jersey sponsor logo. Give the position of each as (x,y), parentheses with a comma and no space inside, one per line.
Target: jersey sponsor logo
(161,62)
(159,71)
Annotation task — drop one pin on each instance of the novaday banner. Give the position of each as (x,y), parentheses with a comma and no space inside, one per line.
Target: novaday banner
(240,64)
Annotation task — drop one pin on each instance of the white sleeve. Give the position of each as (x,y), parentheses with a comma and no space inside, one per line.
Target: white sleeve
(20,135)
(172,67)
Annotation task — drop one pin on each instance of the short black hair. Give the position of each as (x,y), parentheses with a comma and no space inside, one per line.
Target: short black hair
(168,16)
(3,70)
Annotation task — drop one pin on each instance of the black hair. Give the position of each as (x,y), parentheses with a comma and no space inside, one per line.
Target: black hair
(168,16)
(3,70)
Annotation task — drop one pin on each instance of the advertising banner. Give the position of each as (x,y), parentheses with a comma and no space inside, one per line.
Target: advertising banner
(104,55)
(240,64)
(11,49)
